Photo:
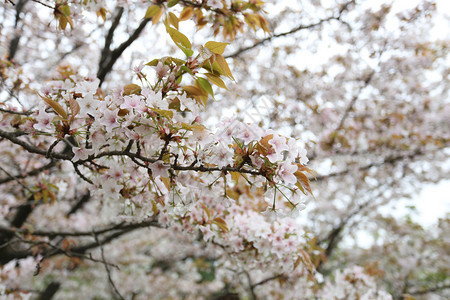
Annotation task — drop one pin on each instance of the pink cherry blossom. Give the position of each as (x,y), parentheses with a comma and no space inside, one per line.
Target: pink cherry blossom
(44,120)
(81,154)
(286,172)
(161,70)
(109,119)
(159,169)
(278,143)
(133,102)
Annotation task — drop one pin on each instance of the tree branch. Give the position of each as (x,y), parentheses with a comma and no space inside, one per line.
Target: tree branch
(50,291)
(14,44)
(23,113)
(112,232)
(109,37)
(85,198)
(264,281)
(109,58)
(31,148)
(33,172)
(53,234)
(108,271)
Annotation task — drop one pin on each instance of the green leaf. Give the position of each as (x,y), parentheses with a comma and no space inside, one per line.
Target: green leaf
(172,3)
(74,107)
(158,16)
(177,61)
(216,47)
(197,93)
(191,127)
(153,63)
(300,187)
(179,79)
(165,113)
(179,38)
(65,10)
(186,51)
(205,85)
(152,11)
(220,60)
(303,180)
(214,68)
(173,19)
(216,80)
(186,69)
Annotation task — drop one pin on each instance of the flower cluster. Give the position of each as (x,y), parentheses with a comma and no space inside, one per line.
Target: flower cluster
(147,153)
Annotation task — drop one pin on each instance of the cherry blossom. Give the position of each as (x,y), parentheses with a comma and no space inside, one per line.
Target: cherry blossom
(44,120)
(286,172)
(159,169)
(161,70)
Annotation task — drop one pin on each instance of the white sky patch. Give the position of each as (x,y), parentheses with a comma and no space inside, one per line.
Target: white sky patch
(432,203)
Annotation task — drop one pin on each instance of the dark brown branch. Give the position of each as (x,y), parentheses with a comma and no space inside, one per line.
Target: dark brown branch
(294,30)
(174,166)
(58,250)
(14,44)
(136,156)
(34,172)
(85,198)
(110,233)
(22,113)
(31,148)
(12,177)
(264,281)
(52,234)
(226,294)
(109,37)
(77,170)
(334,237)
(82,249)
(22,214)
(75,47)
(8,90)
(43,4)
(50,291)
(108,60)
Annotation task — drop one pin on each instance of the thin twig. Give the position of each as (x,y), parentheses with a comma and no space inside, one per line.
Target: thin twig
(22,113)
(77,170)
(108,271)
(12,177)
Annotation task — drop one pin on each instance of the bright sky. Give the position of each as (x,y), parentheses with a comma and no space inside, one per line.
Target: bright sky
(432,203)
